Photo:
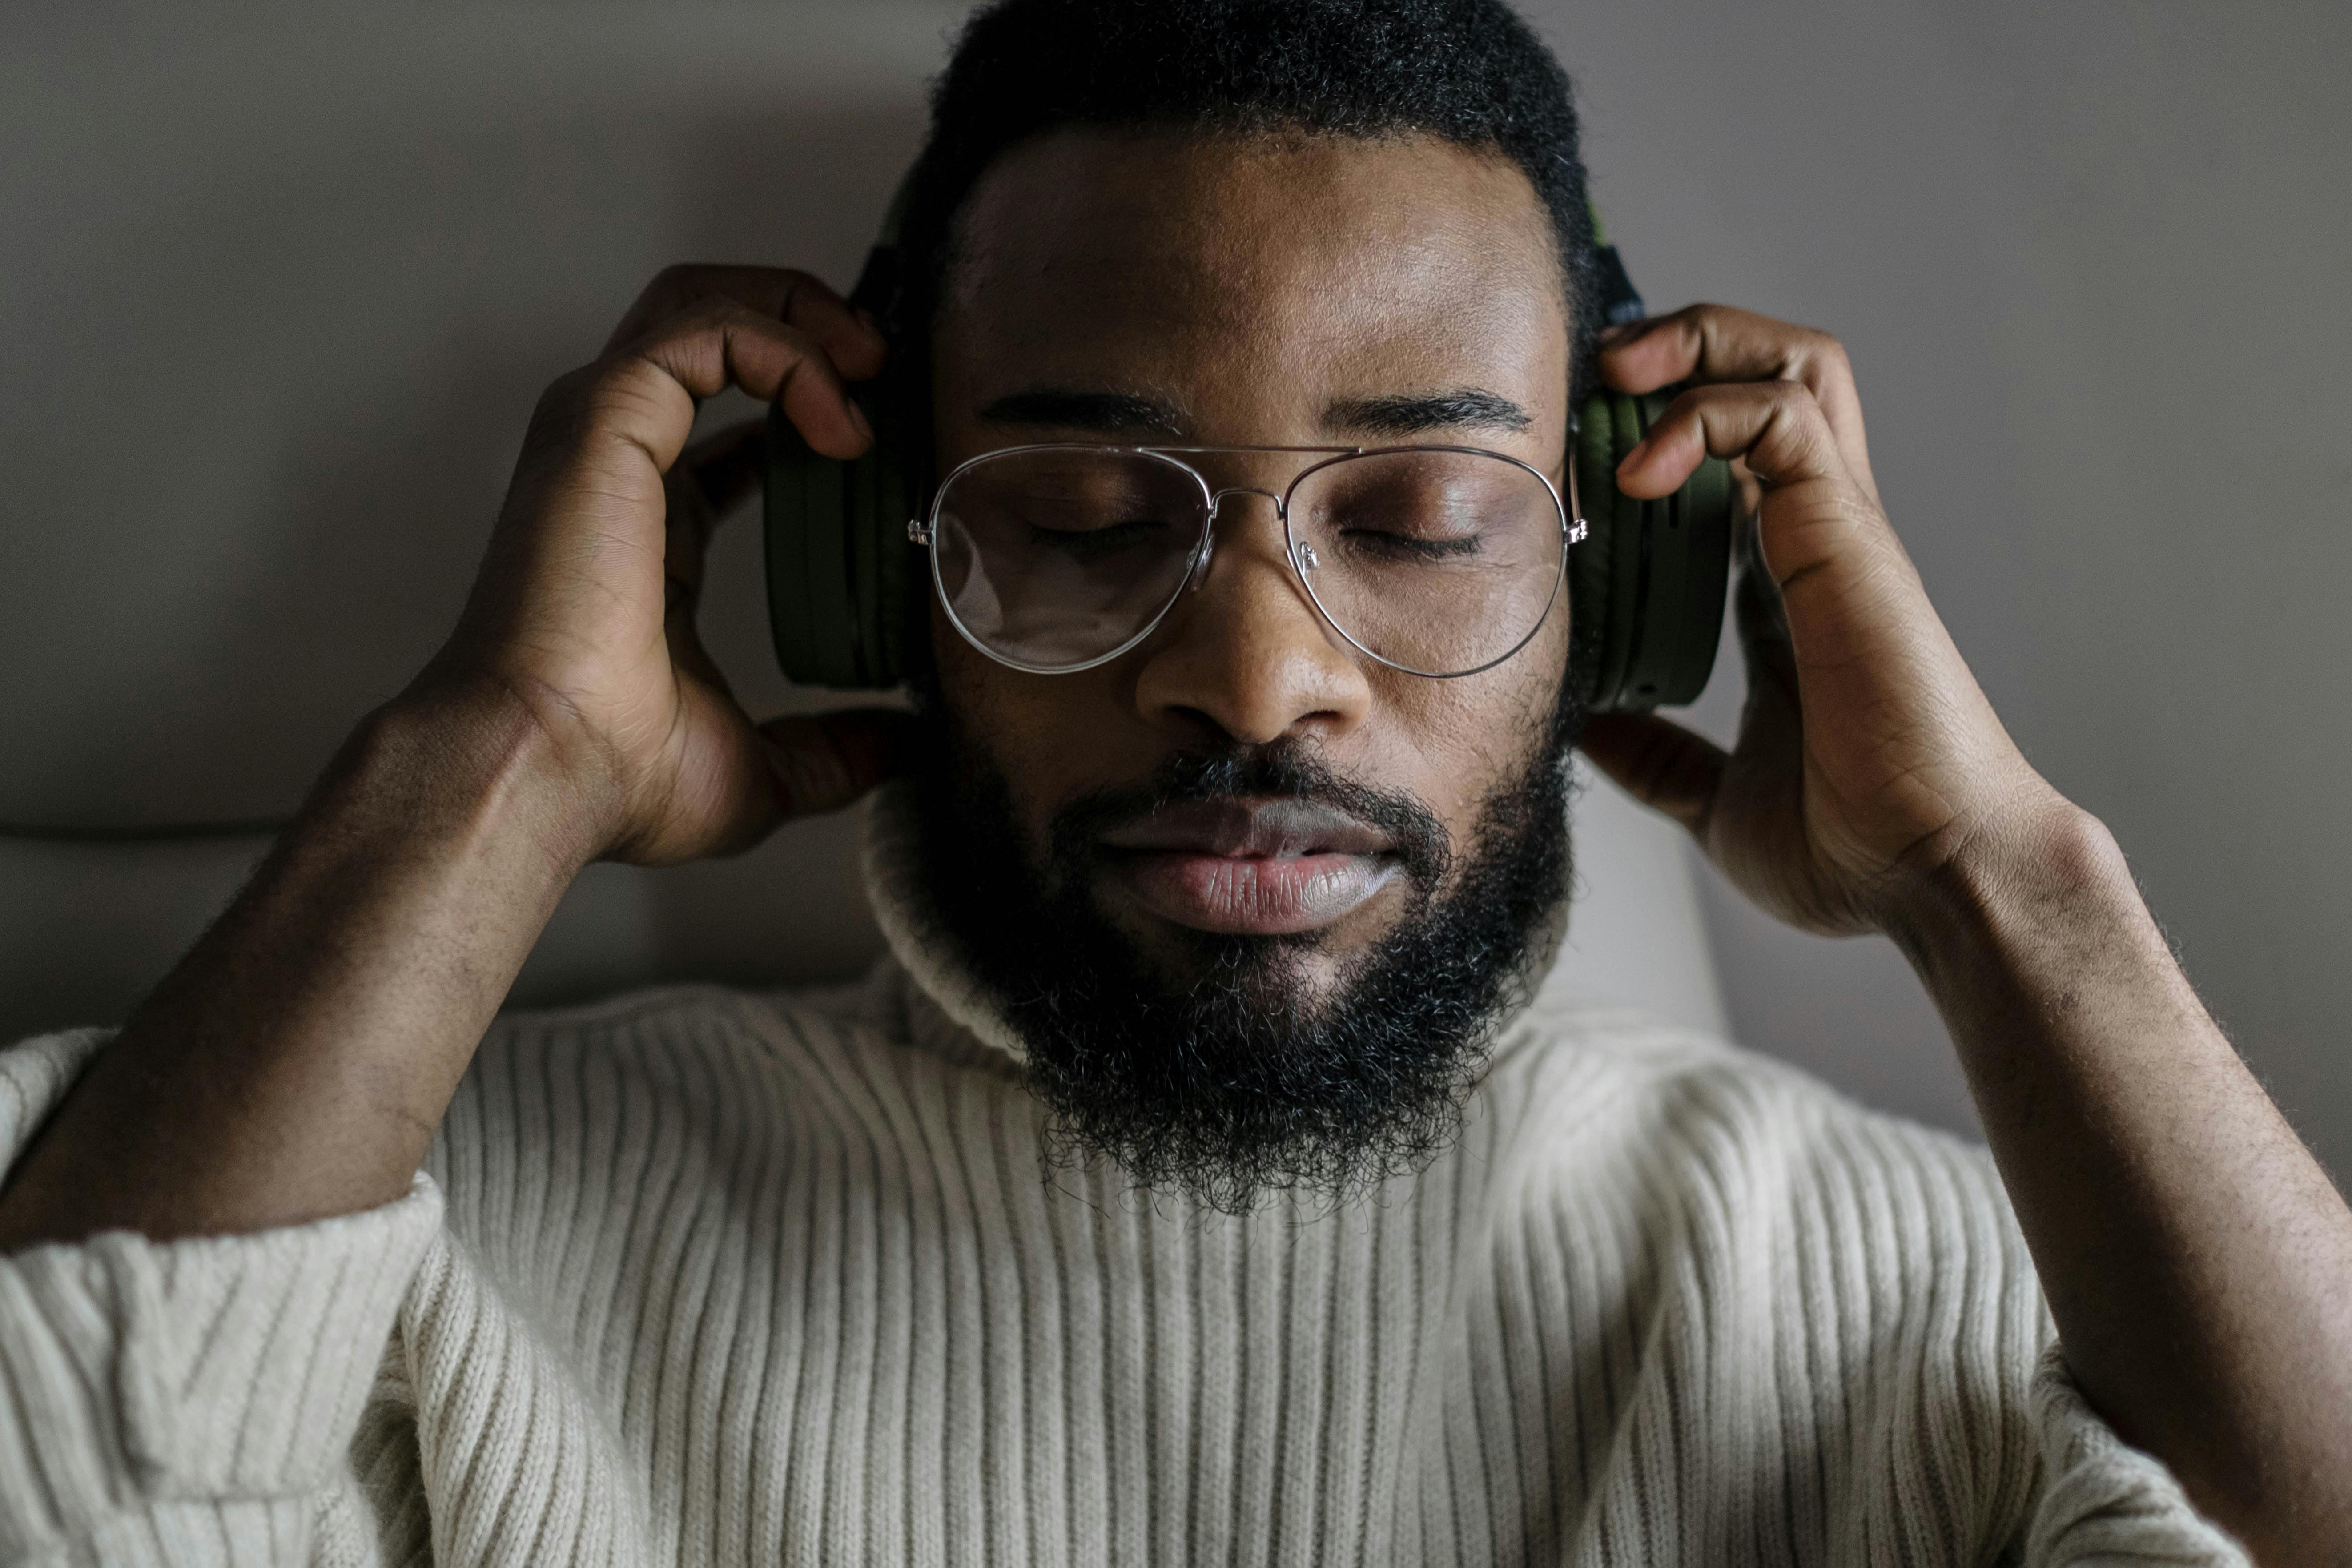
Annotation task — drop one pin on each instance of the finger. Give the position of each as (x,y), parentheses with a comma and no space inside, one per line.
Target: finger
(720,341)
(791,297)
(1658,762)
(590,504)
(1718,343)
(821,762)
(695,354)
(1850,591)
(1775,427)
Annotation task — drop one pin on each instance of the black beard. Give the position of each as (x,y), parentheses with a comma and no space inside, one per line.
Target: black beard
(1233,1079)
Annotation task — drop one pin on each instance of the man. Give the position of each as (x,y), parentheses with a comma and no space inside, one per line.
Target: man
(1196,1180)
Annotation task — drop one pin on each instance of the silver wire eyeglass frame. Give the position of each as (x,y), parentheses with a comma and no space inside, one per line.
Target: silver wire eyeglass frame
(925,532)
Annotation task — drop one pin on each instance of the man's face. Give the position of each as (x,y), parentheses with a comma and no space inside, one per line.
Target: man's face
(1245,802)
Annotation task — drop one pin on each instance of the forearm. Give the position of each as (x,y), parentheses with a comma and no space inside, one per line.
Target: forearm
(295,1062)
(2195,1257)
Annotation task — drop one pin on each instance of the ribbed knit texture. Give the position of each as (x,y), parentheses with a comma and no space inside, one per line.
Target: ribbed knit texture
(736,1278)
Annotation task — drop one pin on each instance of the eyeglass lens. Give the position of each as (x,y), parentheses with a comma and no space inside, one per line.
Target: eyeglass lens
(1439,562)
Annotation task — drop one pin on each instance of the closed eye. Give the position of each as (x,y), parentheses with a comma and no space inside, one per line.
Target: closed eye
(1085,544)
(1380,543)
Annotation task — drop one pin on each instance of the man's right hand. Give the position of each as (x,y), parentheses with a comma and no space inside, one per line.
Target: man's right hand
(296,1062)
(584,610)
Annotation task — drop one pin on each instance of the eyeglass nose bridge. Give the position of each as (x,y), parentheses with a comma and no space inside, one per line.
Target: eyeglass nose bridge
(1208,533)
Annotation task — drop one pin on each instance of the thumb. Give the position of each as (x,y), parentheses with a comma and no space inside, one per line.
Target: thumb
(1658,762)
(821,762)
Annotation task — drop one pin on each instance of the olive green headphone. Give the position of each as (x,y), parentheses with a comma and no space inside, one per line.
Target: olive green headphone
(1645,585)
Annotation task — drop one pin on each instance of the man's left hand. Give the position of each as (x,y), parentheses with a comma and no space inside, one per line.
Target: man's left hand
(1867,759)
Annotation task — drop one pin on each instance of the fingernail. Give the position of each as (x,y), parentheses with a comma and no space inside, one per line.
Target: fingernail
(1634,458)
(1612,336)
(857,417)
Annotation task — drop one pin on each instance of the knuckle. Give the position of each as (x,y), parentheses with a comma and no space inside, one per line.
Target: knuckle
(1793,402)
(722,314)
(1701,322)
(624,383)
(1801,431)
(701,314)
(565,406)
(569,389)
(611,392)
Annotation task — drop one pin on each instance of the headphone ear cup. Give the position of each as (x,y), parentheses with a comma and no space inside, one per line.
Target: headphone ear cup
(830,592)
(1589,562)
(1606,565)
(836,563)
(1706,509)
(1652,593)
(860,552)
(883,587)
(784,540)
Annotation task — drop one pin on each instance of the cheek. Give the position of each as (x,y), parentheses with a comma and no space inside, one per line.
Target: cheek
(1041,733)
(1470,736)
(1464,739)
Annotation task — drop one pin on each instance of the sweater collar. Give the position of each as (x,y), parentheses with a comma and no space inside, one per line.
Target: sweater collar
(923,947)
(917,937)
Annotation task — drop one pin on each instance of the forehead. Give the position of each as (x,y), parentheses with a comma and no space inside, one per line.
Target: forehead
(1226,269)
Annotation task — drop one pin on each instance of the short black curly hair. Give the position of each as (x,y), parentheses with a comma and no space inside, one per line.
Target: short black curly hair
(1469,71)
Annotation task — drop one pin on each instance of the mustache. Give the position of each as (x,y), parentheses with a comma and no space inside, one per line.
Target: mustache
(1283,771)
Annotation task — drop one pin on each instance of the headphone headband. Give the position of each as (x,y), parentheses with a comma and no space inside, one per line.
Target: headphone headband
(879,280)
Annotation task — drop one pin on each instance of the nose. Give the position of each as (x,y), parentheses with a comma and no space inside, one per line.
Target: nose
(1245,657)
(1216,510)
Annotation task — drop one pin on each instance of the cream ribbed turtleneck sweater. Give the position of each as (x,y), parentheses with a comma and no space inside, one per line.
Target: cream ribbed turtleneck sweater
(707,1277)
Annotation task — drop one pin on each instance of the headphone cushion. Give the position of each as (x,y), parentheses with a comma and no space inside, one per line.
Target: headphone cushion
(836,565)
(784,518)
(1648,583)
(1589,562)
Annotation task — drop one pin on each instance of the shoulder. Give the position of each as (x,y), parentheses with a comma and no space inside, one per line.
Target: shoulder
(593,1151)
(713,1068)
(1756,1173)
(1720,1116)
(672,1081)
(668,1039)
(1840,1284)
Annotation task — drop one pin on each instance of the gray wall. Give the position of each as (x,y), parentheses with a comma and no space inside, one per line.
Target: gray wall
(2090,261)
(280,290)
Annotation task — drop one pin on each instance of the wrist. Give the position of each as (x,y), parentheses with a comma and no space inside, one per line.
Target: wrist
(472,758)
(2025,889)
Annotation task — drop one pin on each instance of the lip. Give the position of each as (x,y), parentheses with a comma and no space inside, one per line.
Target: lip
(1249,867)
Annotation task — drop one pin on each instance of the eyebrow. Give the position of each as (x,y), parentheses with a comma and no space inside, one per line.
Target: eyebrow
(1412,414)
(1123,413)
(1102,412)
